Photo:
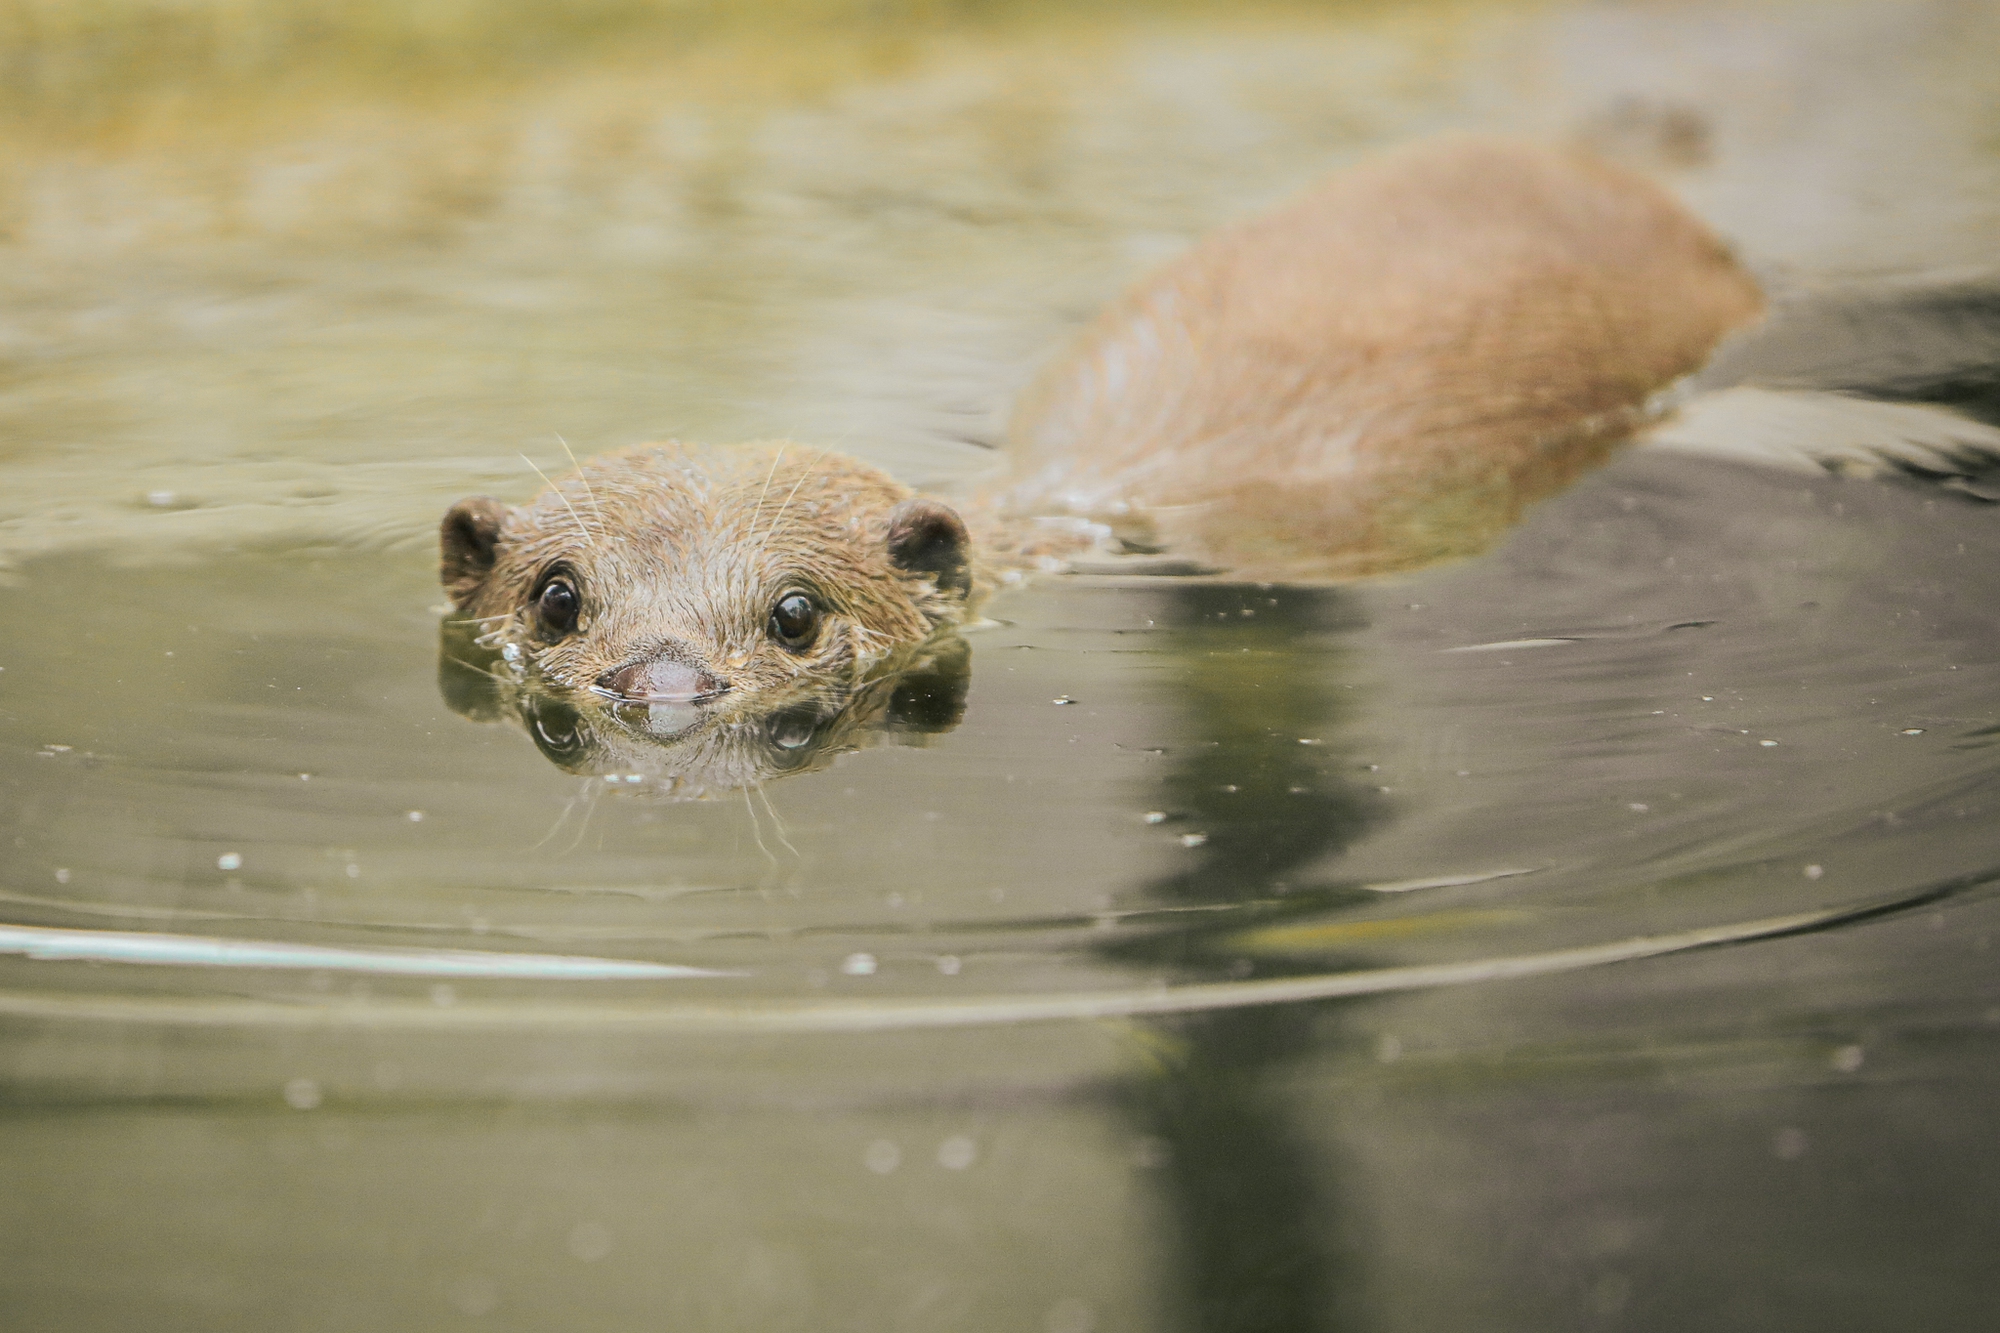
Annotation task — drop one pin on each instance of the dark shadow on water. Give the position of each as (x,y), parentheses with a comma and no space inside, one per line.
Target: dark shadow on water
(1263,776)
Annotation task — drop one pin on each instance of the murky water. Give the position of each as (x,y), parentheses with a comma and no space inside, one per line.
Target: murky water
(1594,934)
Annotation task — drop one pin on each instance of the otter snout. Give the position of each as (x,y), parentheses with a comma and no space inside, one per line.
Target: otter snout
(663,680)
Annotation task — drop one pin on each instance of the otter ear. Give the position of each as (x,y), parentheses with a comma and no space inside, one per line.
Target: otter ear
(466,542)
(927,537)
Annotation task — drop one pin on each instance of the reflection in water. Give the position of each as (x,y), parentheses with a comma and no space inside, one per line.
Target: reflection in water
(694,750)
(1262,777)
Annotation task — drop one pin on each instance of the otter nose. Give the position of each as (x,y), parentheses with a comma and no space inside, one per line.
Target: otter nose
(662,680)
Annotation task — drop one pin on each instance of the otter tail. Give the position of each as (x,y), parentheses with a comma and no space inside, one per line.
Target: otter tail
(1894,379)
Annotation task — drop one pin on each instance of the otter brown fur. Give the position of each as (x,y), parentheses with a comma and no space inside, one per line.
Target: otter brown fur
(677,558)
(1386,370)
(1377,375)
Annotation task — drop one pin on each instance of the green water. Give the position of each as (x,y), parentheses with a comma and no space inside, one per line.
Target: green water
(1594,934)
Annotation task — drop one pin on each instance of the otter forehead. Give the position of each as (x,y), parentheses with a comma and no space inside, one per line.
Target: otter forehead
(733,507)
(702,536)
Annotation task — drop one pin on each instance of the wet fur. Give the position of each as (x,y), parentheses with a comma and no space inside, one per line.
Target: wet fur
(1385,371)
(682,550)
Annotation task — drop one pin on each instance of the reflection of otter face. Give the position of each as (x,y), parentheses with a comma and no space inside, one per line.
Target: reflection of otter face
(672,576)
(698,748)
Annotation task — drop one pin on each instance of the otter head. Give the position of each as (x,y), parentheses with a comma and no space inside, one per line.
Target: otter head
(694,580)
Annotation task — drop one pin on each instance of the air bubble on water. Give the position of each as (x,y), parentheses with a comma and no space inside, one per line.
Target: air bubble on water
(1638,807)
(62,876)
(882,1157)
(161,499)
(1155,817)
(858,965)
(949,965)
(414,816)
(1789,1144)
(1193,839)
(1767,744)
(443,996)
(1708,698)
(590,1241)
(353,870)
(957,1152)
(1814,872)
(1309,740)
(229,861)
(1061,700)
(1069,1315)
(1847,1059)
(302,1094)
(1911,731)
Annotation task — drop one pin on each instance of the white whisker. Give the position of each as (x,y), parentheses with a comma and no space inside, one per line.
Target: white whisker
(755,831)
(588,489)
(759,512)
(587,538)
(780,515)
(777,822)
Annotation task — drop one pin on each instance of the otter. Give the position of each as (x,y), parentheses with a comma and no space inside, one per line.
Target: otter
(1380,374)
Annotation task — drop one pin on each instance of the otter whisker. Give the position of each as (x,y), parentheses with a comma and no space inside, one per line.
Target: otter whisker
(755,831)
(588,489)
(758,513)
(588,539)
(777,821)
(561,819)
(779,517)
(590,800)
(480,670)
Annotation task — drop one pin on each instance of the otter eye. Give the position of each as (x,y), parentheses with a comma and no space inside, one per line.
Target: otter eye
(557,605)
(794,620)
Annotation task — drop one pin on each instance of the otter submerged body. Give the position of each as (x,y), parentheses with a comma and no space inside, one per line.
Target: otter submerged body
(1383,372)
(1378,375)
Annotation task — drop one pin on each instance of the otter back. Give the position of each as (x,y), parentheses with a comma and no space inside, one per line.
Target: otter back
(1382,372)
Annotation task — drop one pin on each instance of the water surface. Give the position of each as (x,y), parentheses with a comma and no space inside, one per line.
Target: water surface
(1185,954)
